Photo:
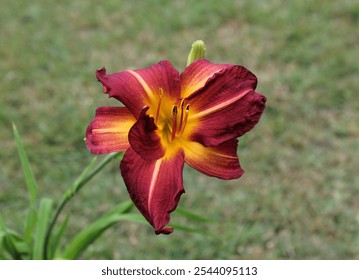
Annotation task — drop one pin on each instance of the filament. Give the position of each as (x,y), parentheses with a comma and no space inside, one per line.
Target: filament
(185,117)
(174,122)
(181,119)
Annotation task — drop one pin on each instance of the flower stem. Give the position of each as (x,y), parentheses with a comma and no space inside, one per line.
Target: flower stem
(76,187)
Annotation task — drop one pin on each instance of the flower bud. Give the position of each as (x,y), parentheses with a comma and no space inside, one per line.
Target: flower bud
(197,52)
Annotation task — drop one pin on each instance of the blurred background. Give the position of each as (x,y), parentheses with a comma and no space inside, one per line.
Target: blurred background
(299,197)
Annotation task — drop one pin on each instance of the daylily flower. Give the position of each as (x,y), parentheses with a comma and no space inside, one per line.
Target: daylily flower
(170,119)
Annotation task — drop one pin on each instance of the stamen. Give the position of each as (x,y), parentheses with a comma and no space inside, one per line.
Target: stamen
(174,122)
(184,120)
(159,105)
(181,119)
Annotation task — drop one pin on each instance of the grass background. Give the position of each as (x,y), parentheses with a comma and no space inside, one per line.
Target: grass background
(299,197)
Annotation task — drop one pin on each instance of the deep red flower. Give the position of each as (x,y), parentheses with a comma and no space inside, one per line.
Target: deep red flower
(169,119)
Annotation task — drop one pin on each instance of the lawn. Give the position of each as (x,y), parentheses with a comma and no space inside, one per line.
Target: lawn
(299,197)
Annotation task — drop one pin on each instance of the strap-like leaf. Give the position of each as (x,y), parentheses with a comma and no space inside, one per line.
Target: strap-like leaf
(55,241)
(29,176)
(188,229)
(2,238)
(41,228)
(87,236)
(190,215)
(30,224)
(13,244)
(123,207)
(85,177)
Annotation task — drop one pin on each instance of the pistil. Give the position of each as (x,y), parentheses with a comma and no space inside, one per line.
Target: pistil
(159,105)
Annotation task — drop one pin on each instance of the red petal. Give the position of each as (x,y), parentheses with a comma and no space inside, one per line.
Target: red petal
(220,161)
(138,88)
(226,107)
(154,186)
(196,75)
(108,132)
(144,139)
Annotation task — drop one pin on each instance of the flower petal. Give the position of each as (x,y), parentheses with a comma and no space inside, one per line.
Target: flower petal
(138,88)
(108,132)
(196,75)
(144,139)
(155,187)
(226,107)
(220,161)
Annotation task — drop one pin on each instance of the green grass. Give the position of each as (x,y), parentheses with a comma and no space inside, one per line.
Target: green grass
(299,197)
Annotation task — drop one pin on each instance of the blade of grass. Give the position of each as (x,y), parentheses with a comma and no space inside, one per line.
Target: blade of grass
(29,176)
(44,217)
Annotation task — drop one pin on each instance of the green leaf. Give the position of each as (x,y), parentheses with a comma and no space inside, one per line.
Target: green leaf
(137,218)
(187,228)
(55,241)
(85,177)
(2,224)
(87,236)
(41,228)
(198,51)
(190,215)
(30,225)
(6,242)
(123,207)
(14,245)
(10,248)
(2,238)
(21,246)
(29,176)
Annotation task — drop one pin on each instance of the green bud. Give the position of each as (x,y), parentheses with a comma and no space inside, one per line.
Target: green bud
(197,52)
